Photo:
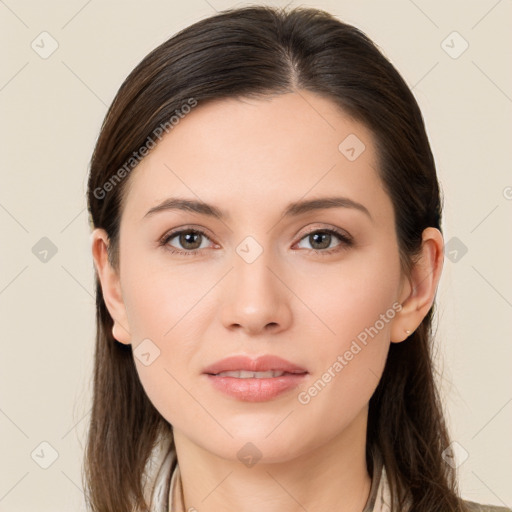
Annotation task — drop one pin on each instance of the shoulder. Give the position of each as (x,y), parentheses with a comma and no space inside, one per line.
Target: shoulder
(477,507)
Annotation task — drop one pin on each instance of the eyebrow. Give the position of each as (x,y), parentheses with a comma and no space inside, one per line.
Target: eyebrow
(292,210)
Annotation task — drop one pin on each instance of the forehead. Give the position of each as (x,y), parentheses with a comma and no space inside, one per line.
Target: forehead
(257,154)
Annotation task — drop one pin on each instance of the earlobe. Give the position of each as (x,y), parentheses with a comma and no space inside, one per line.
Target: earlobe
(110,285)
(419,294)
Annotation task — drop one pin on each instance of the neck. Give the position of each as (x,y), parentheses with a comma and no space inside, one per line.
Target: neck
(332,476)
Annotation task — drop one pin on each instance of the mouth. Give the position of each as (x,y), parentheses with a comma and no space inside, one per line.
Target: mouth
(255,380)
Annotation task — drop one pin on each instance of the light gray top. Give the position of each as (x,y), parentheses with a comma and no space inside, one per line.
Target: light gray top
(164,492)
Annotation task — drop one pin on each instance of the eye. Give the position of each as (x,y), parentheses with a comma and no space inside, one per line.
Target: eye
(321,239)
(189,239)
(192,241)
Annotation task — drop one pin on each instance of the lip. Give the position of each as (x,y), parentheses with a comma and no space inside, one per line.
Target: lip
(260,364)
(254,389)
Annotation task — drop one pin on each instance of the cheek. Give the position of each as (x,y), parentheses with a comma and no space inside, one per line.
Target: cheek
(337,398)
(158,299)
(356,304)
(347,368)
(350,297)
(163,308)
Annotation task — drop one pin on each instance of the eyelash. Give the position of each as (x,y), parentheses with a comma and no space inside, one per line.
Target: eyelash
(345,241)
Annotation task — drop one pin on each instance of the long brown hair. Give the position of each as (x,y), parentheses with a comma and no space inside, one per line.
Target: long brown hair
(255,51)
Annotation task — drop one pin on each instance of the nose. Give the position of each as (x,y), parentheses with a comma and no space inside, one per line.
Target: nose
(256,297)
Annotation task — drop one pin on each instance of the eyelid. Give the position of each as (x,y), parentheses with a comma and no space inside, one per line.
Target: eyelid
(337,231)
(187,228)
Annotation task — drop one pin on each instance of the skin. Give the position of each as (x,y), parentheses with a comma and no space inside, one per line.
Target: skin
(252,158)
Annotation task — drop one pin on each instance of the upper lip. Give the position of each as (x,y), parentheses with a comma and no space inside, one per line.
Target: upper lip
(260,364)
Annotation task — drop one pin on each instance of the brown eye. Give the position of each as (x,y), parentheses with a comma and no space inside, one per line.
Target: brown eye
(189,241)
(320,241)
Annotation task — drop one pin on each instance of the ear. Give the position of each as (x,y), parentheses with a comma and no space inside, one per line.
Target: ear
(110,285)
(418,293)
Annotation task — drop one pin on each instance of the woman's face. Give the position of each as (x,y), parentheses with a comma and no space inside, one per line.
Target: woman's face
(265,278)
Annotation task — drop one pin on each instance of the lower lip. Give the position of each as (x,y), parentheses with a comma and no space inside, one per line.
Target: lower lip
(256,390)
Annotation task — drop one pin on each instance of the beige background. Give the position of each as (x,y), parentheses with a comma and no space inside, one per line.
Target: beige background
(51,111)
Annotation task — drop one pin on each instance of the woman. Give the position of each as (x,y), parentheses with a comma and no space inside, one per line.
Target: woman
(267,242)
